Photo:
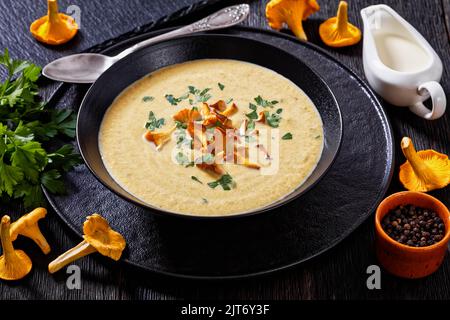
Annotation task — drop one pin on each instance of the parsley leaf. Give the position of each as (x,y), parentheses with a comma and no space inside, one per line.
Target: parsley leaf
(193,90)
(64,158)
(181,125)
(226,182)
(196,179)
(273,119)
(200,95)
(10,176)
(51,180)
(252,115)
(148,99)
(221,86)
(174,101)
(251,125)
(265,103)
(154,123)
(287,136)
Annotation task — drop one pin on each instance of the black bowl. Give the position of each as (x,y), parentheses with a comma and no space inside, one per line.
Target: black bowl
(206,46)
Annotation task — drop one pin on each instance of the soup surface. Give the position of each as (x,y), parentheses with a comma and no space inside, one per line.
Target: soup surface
(147,152)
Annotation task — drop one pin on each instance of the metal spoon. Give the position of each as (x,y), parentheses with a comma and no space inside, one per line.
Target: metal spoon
(87,67)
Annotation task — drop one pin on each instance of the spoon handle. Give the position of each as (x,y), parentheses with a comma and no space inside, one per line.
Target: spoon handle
(224,18)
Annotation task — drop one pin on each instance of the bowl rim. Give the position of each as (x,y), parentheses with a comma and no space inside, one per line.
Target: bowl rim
(379,214)
(274,205)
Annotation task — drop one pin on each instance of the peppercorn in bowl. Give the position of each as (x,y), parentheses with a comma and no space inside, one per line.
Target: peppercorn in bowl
(412,233)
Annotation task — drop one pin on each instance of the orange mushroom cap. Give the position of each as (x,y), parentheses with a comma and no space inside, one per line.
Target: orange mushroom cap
(98,237)
(159,138)
(425,170)
(187,115)
(291,12)
(337,31)
(55,28)
(99,234)
(27,226)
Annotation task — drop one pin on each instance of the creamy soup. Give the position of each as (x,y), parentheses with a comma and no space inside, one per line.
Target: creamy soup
(272,107)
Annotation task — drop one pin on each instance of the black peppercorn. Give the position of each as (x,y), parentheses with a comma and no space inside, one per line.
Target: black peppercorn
(413,226)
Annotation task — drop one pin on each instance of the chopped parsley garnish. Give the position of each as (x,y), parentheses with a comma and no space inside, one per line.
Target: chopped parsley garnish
(251,125)
(148,98)
(226,182)
(200,95)
(196,179)
(180,125)
(174,101)
(317,137)
(193,90)
(265,103)
(229,101)
(252,115)
(154,123)
(287,136)
(273,119)
(204,96)
(204,201)
(221,86)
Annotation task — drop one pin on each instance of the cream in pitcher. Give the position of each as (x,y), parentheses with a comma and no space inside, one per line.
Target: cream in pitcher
(400,64)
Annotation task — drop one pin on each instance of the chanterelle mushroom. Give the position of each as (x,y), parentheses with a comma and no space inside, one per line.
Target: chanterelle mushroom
(291,12)
(14,264)
(55,28)
(425,170)
(159,138)
(98,237)
(27,226)
(337,31)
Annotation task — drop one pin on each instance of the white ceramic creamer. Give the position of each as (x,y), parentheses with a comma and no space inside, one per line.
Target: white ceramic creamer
(400,64)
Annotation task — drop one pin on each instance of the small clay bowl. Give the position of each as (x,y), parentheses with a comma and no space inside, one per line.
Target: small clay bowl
(402,260)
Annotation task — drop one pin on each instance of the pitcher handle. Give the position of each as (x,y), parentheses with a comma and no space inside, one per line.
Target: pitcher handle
(434,90)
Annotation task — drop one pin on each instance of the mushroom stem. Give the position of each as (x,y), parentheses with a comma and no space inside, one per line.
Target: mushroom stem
(418,165)
(77,252)
(14,264)
(27,226)
(52,11)
(34,233)
(296,25)
(342,17)
(8,249)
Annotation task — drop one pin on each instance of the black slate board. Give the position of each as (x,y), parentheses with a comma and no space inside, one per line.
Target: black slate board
(296,232)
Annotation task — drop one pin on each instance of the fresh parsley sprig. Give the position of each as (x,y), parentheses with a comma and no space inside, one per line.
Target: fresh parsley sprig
(26,124)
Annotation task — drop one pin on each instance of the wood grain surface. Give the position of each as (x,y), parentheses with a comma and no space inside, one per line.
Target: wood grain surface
(338,274)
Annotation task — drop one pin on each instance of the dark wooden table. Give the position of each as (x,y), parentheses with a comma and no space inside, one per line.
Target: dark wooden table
(337,274)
